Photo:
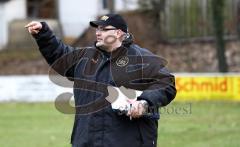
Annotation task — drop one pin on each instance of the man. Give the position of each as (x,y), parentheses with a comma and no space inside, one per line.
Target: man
(114,60)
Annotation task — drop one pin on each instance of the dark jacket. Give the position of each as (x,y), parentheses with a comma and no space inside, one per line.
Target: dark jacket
(92,70)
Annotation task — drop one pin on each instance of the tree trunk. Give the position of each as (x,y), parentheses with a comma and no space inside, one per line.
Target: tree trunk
(238,19)
(218,21)
(111,6)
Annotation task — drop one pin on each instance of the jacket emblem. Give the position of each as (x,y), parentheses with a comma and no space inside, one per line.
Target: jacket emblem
(122,61)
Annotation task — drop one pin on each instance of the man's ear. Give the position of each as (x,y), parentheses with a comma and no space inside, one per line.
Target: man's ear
(122,36)
(120,33)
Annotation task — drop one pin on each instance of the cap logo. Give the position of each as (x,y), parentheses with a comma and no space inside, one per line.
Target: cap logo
(104,17)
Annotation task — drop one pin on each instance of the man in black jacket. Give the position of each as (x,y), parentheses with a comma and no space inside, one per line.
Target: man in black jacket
(113,61)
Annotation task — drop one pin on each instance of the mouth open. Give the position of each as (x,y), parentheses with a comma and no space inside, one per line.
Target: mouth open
(99,39)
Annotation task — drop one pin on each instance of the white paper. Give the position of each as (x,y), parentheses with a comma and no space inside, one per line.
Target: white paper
(123,102)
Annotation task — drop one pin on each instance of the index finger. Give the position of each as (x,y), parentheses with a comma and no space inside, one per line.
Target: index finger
(30,24)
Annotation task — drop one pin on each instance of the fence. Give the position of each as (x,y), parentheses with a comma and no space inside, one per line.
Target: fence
(189,19)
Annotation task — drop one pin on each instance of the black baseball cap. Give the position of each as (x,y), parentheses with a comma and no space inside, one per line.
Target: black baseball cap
(111,19)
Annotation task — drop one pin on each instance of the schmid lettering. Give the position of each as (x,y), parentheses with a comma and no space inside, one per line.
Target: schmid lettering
(193,84)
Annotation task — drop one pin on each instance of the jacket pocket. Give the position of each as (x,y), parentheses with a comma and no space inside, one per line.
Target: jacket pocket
(148,132)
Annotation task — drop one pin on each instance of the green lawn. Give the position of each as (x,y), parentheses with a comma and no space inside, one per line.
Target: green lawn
(202,124)
(210,124)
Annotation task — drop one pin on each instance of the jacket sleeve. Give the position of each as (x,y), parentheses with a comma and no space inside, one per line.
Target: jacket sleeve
(161,90)
(58,55)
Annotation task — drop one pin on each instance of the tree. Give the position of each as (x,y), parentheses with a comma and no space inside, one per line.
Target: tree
(218,25)
(156,7)
(238,19)
(109,4)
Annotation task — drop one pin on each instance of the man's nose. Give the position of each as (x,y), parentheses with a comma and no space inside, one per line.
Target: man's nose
(98,33)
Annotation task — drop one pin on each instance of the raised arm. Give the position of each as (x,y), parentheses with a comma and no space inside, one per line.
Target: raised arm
(52,48)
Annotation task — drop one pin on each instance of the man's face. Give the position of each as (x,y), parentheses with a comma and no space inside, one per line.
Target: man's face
(106,36)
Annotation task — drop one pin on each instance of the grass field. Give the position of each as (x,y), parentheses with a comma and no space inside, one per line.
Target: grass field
(205,124)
